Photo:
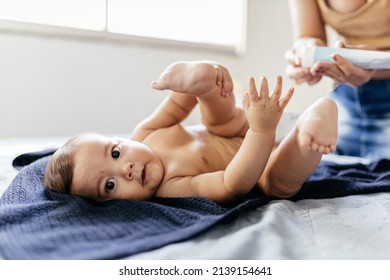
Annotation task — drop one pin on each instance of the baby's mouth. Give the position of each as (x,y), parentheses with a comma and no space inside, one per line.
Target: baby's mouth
(143,175)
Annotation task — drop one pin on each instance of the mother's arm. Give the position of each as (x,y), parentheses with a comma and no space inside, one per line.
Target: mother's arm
(309,30)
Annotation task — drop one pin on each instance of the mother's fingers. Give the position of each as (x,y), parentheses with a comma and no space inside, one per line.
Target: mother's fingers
(352,74)
(291,58)
(343,71)
(299,75)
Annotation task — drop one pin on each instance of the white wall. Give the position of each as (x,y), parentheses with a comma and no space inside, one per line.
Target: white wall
(53,86)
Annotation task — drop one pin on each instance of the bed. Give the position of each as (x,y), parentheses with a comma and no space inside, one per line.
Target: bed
(350,225)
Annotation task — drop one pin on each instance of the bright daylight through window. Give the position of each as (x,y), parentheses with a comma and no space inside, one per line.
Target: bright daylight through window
(215,22)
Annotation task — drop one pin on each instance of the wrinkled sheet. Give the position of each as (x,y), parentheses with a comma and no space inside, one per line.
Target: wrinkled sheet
(355,227)
(351,227)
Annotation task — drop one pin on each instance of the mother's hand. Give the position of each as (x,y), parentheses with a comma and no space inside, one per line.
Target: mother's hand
(294,69)
(300,74)
(342,71)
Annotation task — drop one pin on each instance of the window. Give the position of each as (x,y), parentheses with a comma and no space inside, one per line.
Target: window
(209,22)
(83,14)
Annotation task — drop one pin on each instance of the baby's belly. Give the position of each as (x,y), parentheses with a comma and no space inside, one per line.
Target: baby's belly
(217,152)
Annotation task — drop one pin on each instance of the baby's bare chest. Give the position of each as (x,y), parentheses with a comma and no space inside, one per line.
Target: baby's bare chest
(189,152)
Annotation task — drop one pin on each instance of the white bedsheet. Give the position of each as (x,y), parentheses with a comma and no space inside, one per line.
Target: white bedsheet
(352,227)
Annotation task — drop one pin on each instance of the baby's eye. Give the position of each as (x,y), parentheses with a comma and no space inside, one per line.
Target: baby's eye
(115,152)
(110,185)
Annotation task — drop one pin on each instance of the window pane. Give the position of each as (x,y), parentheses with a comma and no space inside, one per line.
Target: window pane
(204,21)
(84,14)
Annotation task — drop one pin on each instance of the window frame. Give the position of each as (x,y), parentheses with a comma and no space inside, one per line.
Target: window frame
(52,31)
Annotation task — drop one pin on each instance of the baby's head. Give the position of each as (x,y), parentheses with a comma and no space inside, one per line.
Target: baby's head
(102,168)
(59,170)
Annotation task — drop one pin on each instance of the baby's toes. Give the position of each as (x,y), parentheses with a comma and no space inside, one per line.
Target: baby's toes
(160,84)
(314,146)
(305,139)
(227,89)
(156,85)
(327,150)
(321,149)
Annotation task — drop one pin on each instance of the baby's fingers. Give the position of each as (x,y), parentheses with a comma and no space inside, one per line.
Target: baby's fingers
(286,99)
(246,102)
(264,91)
(252,94)
(278,88)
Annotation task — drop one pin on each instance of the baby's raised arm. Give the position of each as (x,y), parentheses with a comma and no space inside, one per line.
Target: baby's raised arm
(263,112)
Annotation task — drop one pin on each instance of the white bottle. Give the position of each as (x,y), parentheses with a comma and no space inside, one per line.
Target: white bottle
(362,58)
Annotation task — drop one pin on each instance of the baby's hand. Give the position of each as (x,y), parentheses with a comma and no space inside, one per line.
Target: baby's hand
(263,111)
(195,78)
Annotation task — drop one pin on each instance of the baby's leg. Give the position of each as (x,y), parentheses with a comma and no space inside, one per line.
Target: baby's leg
(212,85)
(298,155)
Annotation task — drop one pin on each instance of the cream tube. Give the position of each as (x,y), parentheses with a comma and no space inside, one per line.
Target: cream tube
(362,58)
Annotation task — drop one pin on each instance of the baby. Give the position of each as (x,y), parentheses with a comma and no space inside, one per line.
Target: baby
(232,152)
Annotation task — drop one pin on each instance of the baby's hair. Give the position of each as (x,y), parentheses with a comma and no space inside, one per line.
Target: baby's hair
(59,170)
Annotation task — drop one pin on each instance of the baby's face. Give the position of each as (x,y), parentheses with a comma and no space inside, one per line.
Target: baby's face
(114,168)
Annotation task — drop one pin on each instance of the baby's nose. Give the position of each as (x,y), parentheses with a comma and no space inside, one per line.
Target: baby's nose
(128,170)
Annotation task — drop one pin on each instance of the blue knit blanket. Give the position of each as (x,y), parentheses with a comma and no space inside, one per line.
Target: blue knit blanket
(40,224)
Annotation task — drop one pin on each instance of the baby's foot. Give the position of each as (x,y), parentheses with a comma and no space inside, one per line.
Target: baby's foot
(317,127)
(195,78)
